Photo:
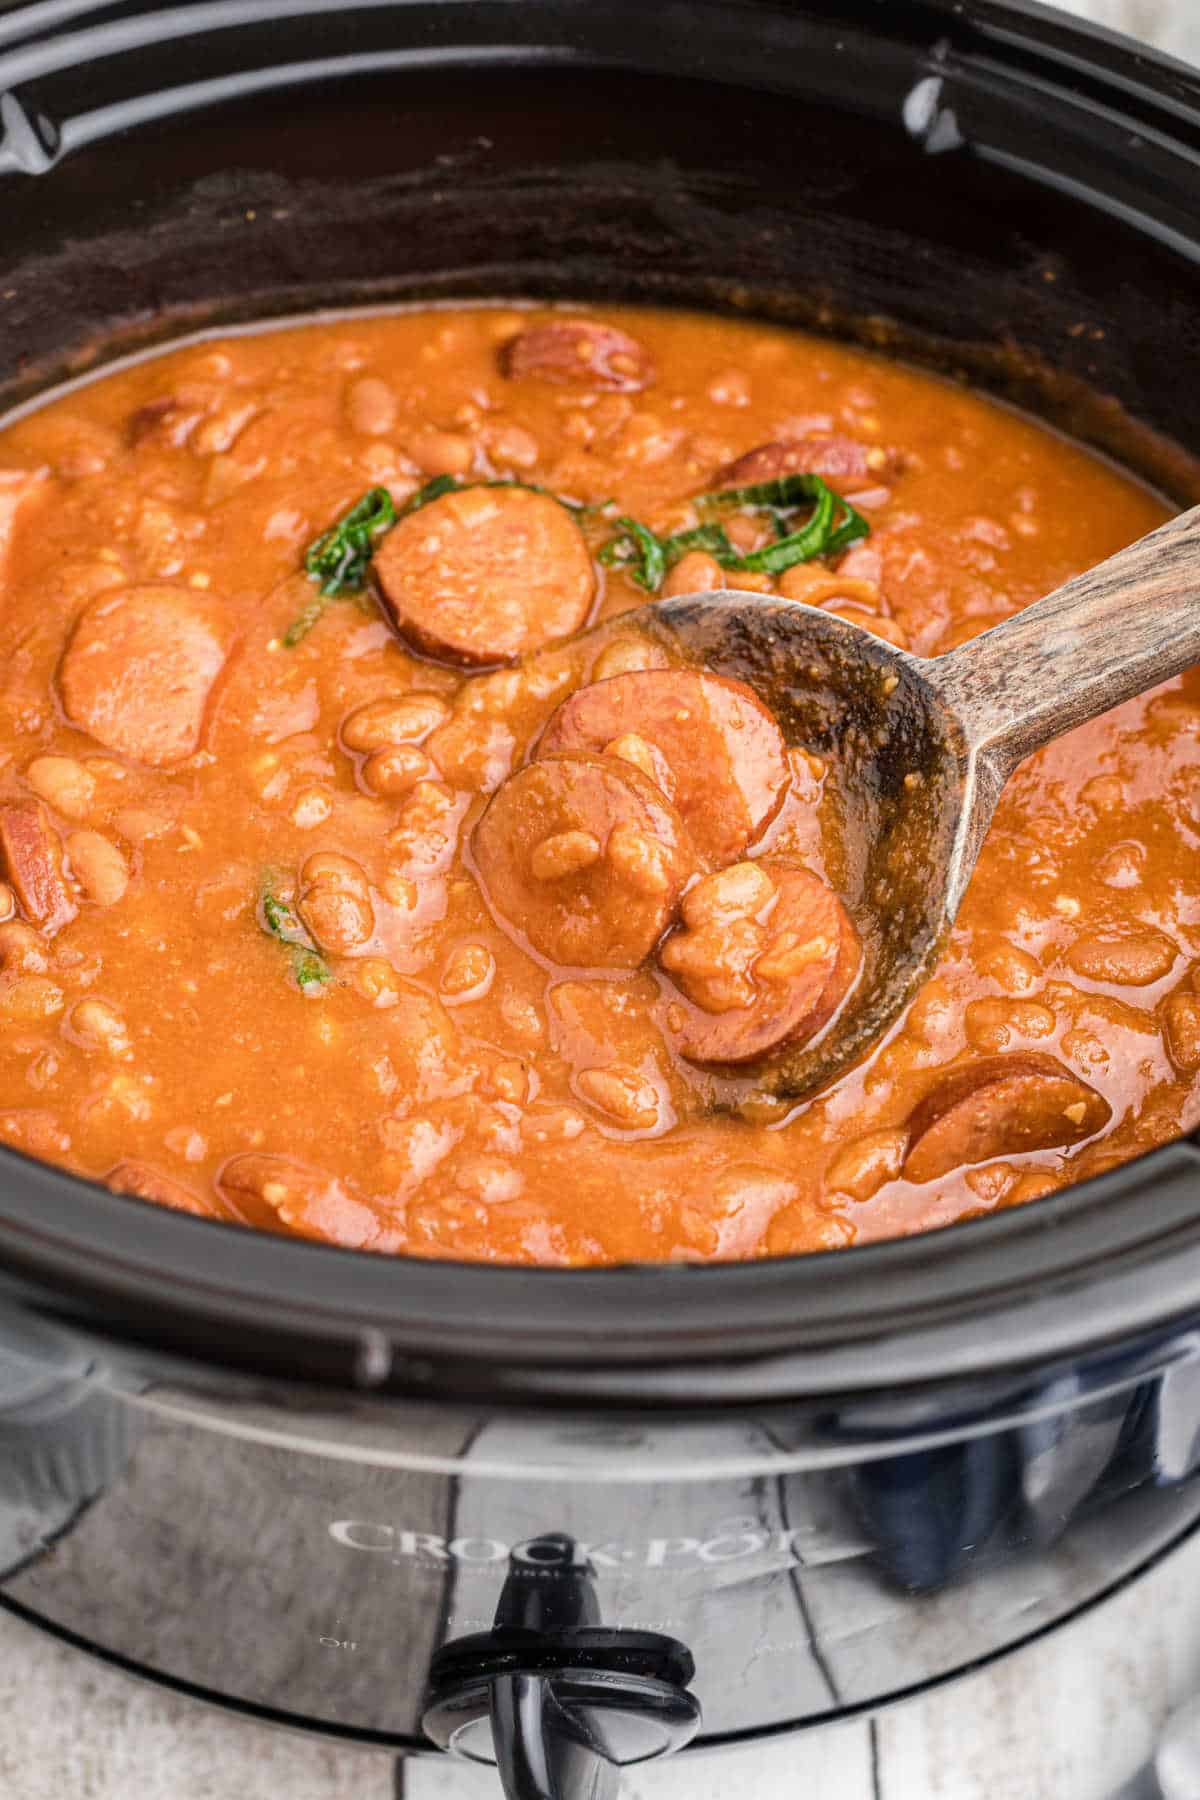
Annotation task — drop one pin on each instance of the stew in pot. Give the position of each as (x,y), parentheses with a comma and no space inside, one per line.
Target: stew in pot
(346,891)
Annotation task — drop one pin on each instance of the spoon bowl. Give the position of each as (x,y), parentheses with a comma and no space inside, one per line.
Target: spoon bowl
(900,783)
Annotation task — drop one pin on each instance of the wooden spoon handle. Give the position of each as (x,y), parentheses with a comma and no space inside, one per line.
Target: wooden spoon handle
(1110,634)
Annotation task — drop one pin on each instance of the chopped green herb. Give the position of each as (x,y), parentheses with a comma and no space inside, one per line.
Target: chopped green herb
(795,546)
(832,526)
(784,495)
(305,619)
(433,490)
(636,548)
(712,538)
(781,494)
(279,921)
(339,557)
(311,972)
(337,560)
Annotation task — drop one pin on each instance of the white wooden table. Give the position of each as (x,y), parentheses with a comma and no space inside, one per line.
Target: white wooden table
(1040,1726)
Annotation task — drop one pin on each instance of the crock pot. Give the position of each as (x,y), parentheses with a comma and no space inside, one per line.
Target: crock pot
(575,1519)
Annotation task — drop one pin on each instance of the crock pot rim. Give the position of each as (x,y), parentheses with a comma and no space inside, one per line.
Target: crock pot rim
(128,1270)
(935,1306)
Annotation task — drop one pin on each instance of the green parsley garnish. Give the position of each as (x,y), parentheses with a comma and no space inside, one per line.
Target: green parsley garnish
(832,526)
(338,559)
(279,921)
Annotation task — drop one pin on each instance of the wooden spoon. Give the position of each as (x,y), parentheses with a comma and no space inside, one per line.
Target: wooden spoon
(920,749)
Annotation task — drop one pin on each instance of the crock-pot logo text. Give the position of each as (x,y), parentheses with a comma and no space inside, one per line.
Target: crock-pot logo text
(736,1542)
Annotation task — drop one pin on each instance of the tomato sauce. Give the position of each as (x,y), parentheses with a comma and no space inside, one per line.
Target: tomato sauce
(358,914)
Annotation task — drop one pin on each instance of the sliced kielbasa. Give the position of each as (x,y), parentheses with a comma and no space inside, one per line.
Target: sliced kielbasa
(585,857)
(138,670)
(147,419)
(268,1189)
(31,860)
(725,758)
(764,957)
(830,455)
(170,419)
(579,353)
(149,1184)
(485,574)
(1000,1106)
